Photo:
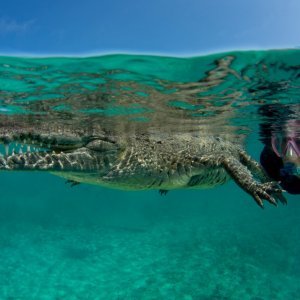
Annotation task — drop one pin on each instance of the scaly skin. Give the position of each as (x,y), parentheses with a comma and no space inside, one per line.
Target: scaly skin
(138,160)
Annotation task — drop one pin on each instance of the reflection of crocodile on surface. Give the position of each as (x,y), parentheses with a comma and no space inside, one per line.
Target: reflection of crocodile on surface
(168,150)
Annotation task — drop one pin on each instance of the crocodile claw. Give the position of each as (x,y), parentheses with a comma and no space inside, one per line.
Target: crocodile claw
(72,182)
(163,192)
(269,191)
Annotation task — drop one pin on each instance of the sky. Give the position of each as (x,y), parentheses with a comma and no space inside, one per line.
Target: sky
(168,27)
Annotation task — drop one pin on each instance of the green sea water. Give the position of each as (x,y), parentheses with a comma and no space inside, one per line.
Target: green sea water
(91,242)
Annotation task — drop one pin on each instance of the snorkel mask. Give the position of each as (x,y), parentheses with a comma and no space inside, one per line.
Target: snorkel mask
(288,149)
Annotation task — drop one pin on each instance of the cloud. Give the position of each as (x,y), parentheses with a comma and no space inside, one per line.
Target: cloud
(8,26)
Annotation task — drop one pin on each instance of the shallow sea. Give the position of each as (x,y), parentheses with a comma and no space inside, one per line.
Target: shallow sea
(90,242)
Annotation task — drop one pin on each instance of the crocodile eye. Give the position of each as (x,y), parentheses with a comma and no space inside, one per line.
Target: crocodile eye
(102,146)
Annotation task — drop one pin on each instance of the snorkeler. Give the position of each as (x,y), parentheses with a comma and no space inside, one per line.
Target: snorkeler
(281,136)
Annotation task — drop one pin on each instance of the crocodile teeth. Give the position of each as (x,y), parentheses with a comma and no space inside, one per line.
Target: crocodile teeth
(6,146)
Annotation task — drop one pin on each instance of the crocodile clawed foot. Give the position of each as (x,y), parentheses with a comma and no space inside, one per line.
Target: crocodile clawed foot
(72,182)
(163,192)
(269,191)
(3,163)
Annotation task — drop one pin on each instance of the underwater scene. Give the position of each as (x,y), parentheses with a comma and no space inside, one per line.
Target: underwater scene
(149,177)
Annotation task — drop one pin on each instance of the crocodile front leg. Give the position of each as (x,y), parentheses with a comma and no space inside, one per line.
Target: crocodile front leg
(258,170)
(243,171)
(269,191)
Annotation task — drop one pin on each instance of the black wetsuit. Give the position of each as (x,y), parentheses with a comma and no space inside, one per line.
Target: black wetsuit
(278,171)
(275,116)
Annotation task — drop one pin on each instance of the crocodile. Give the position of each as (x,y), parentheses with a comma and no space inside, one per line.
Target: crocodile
(131,159)
(171,151)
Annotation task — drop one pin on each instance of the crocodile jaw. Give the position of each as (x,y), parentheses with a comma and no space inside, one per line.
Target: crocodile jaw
(54,152)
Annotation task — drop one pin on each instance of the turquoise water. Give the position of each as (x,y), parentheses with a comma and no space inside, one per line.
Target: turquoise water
(90,242)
